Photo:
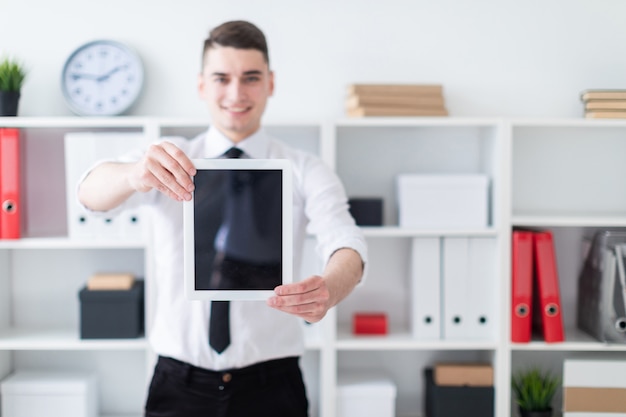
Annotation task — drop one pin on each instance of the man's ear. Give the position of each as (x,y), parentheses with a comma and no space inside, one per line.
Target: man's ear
(201,86)
(271,83)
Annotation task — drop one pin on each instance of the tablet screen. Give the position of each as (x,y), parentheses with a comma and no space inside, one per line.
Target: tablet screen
(238,229)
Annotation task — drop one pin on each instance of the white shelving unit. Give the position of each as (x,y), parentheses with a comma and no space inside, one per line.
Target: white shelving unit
(561,174)
(565,176)
(369,154)
(42,273)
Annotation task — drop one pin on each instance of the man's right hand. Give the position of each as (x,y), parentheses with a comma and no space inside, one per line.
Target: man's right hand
(166,168)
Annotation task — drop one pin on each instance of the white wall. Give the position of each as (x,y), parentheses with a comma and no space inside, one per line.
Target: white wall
(494,57)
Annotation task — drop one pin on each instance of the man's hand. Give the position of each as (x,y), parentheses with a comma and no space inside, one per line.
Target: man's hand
(311,298)
(166,168)
(308,299)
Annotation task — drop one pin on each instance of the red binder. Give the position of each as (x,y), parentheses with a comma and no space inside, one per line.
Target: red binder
(550,316)
(10,183)
(522,286)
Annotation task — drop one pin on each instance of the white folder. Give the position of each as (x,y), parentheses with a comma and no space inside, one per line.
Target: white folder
(456,284)
(426,288)
(82,150)
(482,288)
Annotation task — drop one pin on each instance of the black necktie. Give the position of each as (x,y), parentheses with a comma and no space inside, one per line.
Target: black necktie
(219,326)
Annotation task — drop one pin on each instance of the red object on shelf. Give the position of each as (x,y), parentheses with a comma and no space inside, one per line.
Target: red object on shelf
(522,286)
(10,204)
(550,316)
(369,323)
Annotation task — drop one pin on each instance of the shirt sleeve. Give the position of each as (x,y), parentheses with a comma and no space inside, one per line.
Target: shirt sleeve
(326,208)
(136,199)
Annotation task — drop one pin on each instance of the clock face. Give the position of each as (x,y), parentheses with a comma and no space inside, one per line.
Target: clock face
(102,78)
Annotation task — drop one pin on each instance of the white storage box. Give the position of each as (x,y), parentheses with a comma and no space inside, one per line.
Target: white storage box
(54,394)
(443,201)
(365,395)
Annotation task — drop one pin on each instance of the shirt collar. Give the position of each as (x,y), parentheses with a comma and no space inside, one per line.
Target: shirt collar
(255,146)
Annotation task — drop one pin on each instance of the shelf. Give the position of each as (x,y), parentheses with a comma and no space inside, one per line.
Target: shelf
(405,341)
(394,231)
(417,122)
(62,339)
(62,122)
(67,243)
(128,122)
(121,415)
(566,122)
(576,341)
(610,220)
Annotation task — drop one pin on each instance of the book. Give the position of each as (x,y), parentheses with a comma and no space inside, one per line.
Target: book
(389,100)
(607,114)
(395,111)
(104,282)
(605,105)
(603,95)
(397,89)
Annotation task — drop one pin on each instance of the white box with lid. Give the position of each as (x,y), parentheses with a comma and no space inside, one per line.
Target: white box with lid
(362,394)
(445,201)
(49,393)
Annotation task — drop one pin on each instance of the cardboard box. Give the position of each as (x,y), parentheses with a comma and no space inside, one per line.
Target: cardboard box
(594,400)
(110,282)
(58,393)
(443,201)
(594,386)
(464,374)
(362,394)
(112,314)
(454,401)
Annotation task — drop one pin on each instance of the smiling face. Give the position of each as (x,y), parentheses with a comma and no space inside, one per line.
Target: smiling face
(235,84)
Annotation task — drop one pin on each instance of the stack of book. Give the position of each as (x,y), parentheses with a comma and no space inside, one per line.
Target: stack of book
(604,104)
(395,100)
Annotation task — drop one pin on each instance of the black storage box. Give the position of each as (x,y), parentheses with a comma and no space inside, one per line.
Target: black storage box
(453,401)
(367,211)
(112,314)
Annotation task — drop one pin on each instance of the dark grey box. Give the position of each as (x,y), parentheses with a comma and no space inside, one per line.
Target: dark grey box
(450,401)
(106,314)
(367,211)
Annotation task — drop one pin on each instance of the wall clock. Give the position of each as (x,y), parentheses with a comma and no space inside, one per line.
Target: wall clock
(102,78)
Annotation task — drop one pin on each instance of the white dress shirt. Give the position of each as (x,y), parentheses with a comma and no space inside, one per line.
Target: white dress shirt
(258,332)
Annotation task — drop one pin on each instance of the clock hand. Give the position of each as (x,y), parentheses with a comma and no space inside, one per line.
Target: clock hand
(108,74)
(77,76)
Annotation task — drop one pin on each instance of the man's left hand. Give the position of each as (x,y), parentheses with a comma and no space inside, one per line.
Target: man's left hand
(308,299)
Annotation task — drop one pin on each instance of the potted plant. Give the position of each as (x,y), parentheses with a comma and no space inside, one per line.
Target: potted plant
(12,75)
(534,390)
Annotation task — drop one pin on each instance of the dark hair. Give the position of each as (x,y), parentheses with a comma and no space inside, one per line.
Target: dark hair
(237,34)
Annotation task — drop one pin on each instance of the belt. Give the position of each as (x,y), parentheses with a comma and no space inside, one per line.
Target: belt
(256,373)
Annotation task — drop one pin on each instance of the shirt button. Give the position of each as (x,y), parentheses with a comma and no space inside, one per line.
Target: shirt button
(227,377)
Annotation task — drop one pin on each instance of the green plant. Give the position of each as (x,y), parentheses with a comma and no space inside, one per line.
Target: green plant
(12,74)
(534,389)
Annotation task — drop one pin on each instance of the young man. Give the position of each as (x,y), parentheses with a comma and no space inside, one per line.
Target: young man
(257,372)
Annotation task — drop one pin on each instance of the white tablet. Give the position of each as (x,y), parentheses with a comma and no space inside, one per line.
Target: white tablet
(238,229)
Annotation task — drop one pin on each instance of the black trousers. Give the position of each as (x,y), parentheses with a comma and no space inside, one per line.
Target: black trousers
(268,389)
